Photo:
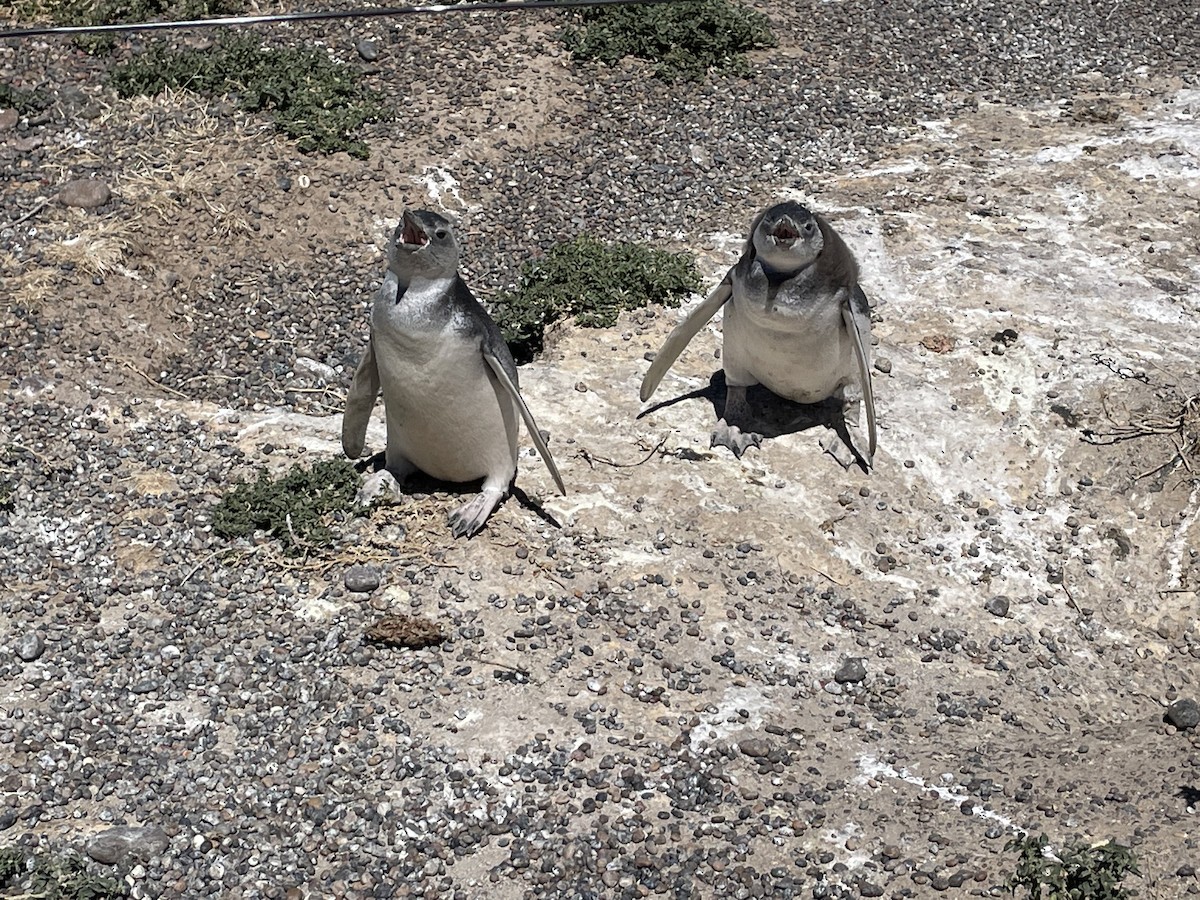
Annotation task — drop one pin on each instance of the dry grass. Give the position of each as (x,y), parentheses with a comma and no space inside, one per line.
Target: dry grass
(94,246)
(25,285)
(170,173)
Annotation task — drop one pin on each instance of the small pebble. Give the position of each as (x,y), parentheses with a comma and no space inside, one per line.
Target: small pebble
(852,670)
(1184,713)
(361,579)
(997,606)
(30,646)
(755,747)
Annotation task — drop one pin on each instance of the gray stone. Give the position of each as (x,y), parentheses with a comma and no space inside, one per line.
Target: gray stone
(368,50)
(8,119)
(755,747)
(29,646)
(884,365)
(852,670)
(997,606)
(361,579)
(1184,713)
(8,818)
(86,193)
(118,844)
(305,365)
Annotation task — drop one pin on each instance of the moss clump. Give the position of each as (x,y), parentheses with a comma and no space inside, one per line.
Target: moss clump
(49,877)
(592,281)
(24,102)
(316,101)
(294,508)
(684,40)
(1076,872)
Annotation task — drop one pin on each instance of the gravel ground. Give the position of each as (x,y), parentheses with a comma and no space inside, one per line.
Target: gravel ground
(706,678)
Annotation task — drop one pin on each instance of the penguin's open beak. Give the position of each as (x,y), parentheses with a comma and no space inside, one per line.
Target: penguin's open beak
(411,235)
(785,232)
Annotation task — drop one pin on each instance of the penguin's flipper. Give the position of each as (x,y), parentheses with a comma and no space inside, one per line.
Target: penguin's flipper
(684,332)
(857,316)
(508,385)
(360,400)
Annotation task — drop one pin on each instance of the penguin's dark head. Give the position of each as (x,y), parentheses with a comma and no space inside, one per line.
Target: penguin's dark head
(787,237)
(424,245)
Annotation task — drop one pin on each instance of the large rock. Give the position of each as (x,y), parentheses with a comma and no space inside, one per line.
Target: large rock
(85,193)
(125,841)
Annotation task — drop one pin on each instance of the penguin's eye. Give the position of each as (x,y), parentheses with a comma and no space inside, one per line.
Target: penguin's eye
(442,234)
(808,227)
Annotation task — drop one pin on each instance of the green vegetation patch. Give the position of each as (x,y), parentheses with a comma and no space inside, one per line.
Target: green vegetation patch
(8,476)
(684,40)
(52,877)
(113,12)
(592,281)
(294,508)
(318,102)
(23,101)
(1076,872)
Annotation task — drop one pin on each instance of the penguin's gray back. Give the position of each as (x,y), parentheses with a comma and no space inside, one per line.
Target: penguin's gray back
(446,412)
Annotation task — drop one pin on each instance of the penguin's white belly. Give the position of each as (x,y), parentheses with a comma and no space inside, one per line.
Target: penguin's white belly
(446,413)
(803,354)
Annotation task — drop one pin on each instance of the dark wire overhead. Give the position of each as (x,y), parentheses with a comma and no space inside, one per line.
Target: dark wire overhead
(382,12)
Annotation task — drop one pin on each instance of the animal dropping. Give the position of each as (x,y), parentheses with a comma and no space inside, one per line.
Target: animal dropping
(796,321)
(449,383)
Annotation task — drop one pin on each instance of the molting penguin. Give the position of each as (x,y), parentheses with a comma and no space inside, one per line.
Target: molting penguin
(449,382)
(796,322)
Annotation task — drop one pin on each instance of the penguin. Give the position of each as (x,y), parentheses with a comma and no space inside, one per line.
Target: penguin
(796,321)
(449,382)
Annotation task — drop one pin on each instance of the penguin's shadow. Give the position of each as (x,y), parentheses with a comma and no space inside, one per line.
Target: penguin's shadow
(773,416)
(420,483)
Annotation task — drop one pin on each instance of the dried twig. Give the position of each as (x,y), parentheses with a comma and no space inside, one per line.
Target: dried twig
(37,208)
(1183,429)
(589,458)
(158,384)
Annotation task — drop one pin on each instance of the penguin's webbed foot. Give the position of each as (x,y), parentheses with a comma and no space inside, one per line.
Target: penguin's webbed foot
(469,518)
(734,438)
(843,447)
(381,485)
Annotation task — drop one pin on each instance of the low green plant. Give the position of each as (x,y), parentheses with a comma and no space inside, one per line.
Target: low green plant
(1076,872)
(113,12)
(23,101)
(592,281)
(684,40)
(52,877)
(8,475)
(293,508)
(12,864)
(318,102)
